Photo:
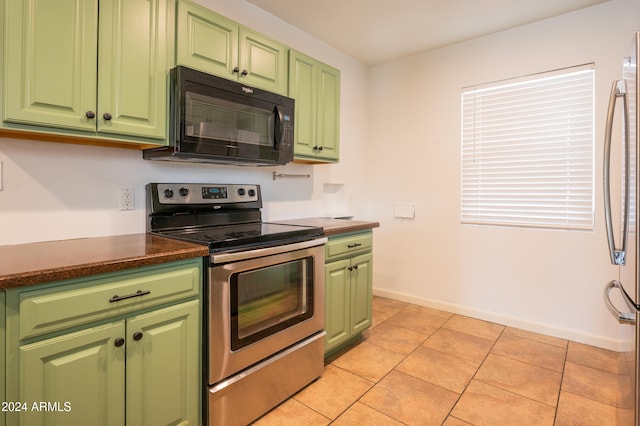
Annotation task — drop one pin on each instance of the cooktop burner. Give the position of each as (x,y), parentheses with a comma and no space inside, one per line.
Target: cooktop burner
(222,216)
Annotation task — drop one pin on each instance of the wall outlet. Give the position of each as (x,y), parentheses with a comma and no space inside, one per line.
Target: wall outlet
(126,199)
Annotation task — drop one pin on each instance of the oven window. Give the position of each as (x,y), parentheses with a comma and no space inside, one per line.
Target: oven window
(267,300)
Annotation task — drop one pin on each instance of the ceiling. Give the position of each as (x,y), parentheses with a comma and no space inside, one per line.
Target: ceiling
(377,31)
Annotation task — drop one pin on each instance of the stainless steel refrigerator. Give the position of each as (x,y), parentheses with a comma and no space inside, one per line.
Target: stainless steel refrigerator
(622,294)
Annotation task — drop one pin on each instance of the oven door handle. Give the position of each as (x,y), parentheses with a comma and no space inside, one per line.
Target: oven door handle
(268,251)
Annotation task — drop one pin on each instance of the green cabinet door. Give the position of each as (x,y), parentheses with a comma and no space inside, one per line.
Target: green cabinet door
(206,41)
(337,302)
(50,62)
(361,293)
(303,88)
(315,86)
(263,62)
(348,288)
(328,126)
(81,372)
(133,67)
(163,366)
(211,43)
(87,65)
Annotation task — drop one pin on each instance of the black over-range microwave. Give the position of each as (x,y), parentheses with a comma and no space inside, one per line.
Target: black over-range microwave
(215,120)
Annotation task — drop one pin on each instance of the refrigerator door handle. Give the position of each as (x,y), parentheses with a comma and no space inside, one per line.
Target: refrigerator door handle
(618,89)
(623,317)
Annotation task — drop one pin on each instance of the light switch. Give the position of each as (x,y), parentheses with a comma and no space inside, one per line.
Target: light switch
(404,210)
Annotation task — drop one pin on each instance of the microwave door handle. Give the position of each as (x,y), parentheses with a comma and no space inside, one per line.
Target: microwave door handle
(617,255)
(278,128)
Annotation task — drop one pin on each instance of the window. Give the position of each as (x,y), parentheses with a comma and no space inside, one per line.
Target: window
(527,151)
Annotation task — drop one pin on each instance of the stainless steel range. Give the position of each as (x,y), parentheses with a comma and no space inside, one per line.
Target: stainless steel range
(264,316)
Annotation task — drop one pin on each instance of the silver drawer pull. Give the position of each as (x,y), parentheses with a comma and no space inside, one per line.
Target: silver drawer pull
(354,245)
(138,293)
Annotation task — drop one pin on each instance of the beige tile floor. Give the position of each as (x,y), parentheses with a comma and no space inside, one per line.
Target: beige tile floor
(420,366)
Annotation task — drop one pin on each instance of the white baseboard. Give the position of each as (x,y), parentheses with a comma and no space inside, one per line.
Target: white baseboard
(549,330)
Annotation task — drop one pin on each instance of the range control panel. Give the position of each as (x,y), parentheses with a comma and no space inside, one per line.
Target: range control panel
(190,193)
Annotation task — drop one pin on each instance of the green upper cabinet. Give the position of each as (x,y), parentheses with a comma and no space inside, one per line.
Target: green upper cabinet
(206,41)
(87,66)
(315,86)
(50,74)
(264,60)
(133,67)
(211,43)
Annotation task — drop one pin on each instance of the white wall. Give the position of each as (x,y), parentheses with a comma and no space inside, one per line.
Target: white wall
(542,280)
(56,191)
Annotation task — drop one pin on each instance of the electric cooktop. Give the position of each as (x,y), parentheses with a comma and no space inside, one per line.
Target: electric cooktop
(221,216)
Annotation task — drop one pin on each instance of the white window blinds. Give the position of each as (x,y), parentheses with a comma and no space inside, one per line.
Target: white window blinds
(527,151)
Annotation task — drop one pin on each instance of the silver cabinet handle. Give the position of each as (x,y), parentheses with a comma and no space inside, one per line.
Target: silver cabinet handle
(623,317)
(618,89)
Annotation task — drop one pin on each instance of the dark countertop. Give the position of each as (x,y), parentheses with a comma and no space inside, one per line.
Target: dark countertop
(41,262)
(35,263)
(332,226)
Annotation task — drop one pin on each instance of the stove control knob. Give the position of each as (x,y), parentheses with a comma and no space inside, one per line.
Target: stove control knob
(184,192)
(241,191)
(168,193)
(252,193)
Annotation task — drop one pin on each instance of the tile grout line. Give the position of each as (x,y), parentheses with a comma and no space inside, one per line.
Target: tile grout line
(564,367)
(392,369)
(483,361)
(524,362)
(375,383)
(449,414)
(565,347)
(474,374)
(408,307)
(421,344)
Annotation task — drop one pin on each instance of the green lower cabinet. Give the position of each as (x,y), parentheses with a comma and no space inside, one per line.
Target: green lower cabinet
(361,293)
(121,348)
(78,378)
(337,299)
(163,367)
(348,298)
(148,363)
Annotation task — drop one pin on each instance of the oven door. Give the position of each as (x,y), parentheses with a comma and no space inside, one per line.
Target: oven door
(261,302)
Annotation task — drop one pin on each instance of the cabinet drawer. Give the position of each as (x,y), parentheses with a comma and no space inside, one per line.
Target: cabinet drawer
(83,301)
(348,244)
